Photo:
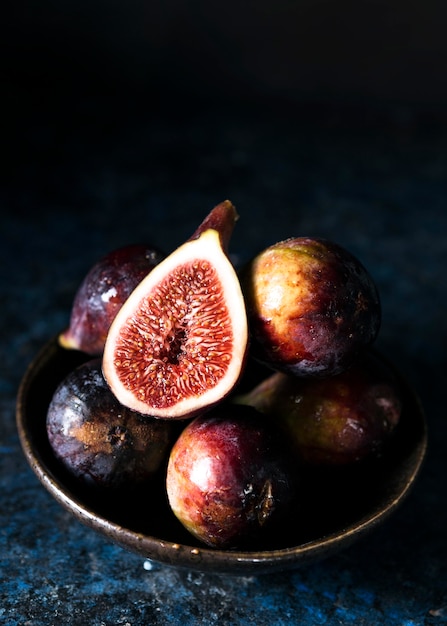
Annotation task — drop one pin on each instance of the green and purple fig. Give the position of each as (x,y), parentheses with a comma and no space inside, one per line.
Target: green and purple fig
(97,440)
(333,421)
(102,293)
(312,307)
(228,480)
(178,345)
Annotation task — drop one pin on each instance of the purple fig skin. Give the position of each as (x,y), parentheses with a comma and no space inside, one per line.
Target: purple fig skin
(98,441)
(334,421)
(312,307)
(101,294)
(227,478)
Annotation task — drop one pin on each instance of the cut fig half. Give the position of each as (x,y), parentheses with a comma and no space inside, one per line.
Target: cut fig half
(178,344)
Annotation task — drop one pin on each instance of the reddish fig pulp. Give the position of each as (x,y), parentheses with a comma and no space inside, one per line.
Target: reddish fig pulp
(227,479)
(312,307)
(99,441)
(178,344)
(102,293)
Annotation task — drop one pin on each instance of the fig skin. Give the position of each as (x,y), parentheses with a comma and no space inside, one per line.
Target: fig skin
(178,345)
(335,421)
(312,307)
(228,478)
(98,441)
(102,293)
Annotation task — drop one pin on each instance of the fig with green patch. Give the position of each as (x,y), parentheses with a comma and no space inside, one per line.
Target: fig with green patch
(312,307)
(333,421)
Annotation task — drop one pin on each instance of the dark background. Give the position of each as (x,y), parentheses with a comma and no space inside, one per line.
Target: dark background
(372,50)
(125,122)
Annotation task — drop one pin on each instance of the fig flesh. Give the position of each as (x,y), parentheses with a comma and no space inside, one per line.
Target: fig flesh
(332,421)
(178,344)
(97,440)
(227,479)
(101,294)
(312,307)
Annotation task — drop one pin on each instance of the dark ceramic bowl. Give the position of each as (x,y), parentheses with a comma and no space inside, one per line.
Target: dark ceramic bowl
(334,511)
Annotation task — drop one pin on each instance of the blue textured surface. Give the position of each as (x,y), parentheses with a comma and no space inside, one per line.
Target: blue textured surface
(80,182)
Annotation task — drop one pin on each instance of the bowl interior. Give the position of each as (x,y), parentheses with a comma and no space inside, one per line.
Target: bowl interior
(335,508)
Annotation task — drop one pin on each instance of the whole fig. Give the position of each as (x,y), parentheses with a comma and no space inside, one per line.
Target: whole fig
(228,479)
(102,293)
(333,421)
(312,307)
(97,440)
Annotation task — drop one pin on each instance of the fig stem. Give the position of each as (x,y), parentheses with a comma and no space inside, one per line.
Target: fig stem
(222,219)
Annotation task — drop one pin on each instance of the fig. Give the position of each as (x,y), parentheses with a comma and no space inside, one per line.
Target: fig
(101,294)
(228,480)
(312,307)
(333,421)
(99,442)
(177,346)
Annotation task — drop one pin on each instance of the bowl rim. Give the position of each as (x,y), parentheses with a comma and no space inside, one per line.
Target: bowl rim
(203,558)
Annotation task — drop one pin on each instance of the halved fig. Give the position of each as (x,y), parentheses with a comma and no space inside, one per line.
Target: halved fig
(178,344)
